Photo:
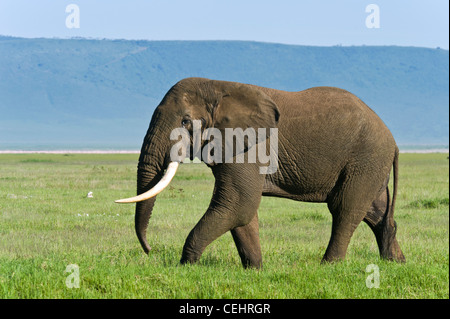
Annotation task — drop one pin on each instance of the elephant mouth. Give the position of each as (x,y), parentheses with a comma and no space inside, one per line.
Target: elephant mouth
(155,190)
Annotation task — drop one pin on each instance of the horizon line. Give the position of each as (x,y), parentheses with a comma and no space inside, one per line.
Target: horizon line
(219,40)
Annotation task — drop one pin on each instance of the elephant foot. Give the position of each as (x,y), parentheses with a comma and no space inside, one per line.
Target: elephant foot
(393,253)
(387,242)
(332,257)
(251,264)
(189,257)
(184,261)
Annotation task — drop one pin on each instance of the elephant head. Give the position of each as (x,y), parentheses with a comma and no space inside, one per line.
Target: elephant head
(216,104)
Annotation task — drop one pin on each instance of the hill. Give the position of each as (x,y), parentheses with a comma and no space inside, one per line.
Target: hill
(101,93)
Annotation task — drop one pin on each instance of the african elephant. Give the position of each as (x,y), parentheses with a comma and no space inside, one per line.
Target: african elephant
(332,148)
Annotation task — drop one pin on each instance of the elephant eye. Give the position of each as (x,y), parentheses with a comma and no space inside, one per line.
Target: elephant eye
(185,122)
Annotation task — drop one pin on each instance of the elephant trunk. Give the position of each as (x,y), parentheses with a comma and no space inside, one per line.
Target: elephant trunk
(145,181)
(150,172)
(149,187)
(155,172)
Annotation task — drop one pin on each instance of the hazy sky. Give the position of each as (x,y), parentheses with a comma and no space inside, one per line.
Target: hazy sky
(314,22)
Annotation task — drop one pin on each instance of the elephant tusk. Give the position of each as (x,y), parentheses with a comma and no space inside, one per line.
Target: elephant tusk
(158,188)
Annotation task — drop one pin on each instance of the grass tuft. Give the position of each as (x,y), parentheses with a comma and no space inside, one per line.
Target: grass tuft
(429,203)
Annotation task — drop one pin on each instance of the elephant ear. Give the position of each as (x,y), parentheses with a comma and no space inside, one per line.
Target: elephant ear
(244,106)
(239,114)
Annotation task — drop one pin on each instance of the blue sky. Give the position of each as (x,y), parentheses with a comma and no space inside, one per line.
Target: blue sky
(320,22)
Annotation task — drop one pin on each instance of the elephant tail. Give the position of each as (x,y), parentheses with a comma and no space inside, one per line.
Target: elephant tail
(389,228)
(395,171)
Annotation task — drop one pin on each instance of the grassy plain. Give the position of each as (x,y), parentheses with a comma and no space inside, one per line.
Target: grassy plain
(47,223)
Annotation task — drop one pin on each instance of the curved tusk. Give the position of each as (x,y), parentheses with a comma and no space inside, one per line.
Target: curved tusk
(158,188)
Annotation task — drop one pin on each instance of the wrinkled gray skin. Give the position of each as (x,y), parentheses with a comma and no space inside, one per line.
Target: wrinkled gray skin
(332,148)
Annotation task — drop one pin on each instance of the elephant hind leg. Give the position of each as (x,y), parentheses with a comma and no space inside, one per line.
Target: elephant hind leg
(348,203)
(343,227)
(384,229)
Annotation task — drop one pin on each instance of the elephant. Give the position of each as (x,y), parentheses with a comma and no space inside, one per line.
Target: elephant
(332,148)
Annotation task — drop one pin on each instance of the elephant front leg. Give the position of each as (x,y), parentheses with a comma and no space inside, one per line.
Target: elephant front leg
(247,243)
(233,207)
(212,226)
(209,228)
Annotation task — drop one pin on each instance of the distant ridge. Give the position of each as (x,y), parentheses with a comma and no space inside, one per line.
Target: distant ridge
(88,92)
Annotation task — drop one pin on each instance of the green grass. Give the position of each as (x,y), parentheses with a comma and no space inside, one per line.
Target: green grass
(429,203)
(47,223)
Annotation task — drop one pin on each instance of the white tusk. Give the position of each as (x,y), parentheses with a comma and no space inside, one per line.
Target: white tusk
(158,188)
